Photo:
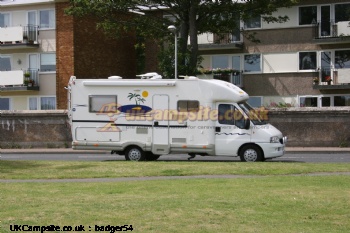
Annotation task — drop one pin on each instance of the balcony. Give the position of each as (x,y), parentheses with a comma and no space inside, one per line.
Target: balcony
(209,41)
(331,32)
(19,37)
(17,80)
(333,79)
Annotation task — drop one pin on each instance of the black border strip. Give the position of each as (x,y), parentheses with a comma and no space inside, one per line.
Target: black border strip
(132,125)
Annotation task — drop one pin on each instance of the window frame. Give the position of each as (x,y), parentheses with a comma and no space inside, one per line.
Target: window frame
(260,63)
(186,109)
(39,102)
(319,100)
(40,62)
(9,103)
(9,19)
(10,59)
(49,27)
(101,108)
(299,15)
(314,59)
(253,20)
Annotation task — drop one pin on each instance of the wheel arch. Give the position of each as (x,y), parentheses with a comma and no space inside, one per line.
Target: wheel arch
(251,144)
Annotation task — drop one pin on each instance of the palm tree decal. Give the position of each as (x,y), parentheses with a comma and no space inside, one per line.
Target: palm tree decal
(137,97)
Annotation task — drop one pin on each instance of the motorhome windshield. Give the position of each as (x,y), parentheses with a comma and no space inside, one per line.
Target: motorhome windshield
(252,113)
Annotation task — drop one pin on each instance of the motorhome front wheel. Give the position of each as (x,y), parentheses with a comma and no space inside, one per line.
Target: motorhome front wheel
(134,154)
(251,153)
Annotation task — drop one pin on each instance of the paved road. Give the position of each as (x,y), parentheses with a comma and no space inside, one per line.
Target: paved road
(302,157)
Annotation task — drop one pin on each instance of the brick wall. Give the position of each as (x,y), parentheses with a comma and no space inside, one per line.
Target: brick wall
(86,52)
(64,53)
(304,127)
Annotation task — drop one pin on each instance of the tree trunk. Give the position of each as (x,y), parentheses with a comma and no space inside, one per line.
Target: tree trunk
(193,36)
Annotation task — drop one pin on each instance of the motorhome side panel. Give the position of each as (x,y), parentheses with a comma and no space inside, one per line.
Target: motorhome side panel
(108,117)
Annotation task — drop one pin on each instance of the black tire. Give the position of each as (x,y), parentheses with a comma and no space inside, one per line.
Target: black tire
(151,157)
(134,153)
(251,153)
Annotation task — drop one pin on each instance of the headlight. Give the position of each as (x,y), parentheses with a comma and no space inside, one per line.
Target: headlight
(274,139)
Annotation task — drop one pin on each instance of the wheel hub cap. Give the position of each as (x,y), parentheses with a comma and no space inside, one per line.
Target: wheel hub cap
(250,155)
(134,154)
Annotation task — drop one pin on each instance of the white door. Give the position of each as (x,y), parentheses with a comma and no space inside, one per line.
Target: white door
(160,137)
(229,131)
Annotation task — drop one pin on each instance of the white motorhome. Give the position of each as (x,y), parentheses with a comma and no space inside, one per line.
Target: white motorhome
(146,118)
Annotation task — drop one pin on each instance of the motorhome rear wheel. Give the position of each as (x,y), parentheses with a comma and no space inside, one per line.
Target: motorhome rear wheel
(134,153)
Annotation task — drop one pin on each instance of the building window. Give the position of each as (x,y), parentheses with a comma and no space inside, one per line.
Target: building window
(4,103)
(342,59)
(340,101)
(5,63)
(32,18)
(307,15)
(308,102)
(254,22)
(48,62)
(220,61)
(4,19)
(307,61)
(188,106)
(252,63)
(47,19)
(47,103)
(342,12)
(326,101)
(103,103)
(33,103)
(255,101)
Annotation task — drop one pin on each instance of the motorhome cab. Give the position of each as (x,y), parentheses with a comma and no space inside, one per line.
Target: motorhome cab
(146,118)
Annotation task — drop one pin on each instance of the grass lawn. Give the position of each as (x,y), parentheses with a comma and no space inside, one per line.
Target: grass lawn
(76,169)
(272,202)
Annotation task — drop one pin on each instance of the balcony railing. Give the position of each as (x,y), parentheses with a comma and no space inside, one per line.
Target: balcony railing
(19,36)
(330,78)
(18,80)
(219,41)
(330,31)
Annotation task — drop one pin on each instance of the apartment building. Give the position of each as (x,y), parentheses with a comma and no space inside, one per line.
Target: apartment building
(41,47)
(303,62)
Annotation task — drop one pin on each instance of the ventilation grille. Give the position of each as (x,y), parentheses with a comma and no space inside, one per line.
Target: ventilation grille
(142,130)
(179,140)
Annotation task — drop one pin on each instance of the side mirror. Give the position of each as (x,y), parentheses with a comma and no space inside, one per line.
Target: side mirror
(246,123)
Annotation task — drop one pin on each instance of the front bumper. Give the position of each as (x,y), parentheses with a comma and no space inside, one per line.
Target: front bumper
(274,150)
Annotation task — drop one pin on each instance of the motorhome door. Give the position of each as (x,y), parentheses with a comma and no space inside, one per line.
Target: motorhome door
(160,137)
(229,130)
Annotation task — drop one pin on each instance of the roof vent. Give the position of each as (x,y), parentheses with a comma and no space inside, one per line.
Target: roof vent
(115,77)
(151,75)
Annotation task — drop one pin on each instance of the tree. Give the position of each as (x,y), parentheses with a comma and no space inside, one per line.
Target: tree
(191,17)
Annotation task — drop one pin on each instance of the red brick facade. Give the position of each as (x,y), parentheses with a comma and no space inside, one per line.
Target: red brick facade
(86,52)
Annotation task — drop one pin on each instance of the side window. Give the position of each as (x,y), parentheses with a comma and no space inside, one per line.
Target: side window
(188,106)
(230,115)
(102,103)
